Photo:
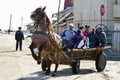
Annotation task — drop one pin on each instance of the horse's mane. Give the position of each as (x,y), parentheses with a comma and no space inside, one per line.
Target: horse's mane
(49,22)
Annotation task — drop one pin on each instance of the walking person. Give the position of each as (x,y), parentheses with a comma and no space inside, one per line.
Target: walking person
(19,36)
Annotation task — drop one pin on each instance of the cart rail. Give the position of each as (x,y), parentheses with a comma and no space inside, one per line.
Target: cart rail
(86,54)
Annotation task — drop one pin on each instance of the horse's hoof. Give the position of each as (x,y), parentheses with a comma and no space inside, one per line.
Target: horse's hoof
(54,74)
(38,62)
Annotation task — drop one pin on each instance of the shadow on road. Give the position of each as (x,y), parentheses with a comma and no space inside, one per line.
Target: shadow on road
(40,75)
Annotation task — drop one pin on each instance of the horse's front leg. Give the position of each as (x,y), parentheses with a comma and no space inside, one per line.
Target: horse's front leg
(57,60)
(31,49)
(49,62)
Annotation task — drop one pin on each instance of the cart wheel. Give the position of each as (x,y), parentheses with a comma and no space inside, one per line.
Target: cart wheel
(43,64)
(75,66)
(101,61)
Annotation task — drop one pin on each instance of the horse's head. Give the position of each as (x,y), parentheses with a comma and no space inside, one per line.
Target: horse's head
(41,20)
(38,14)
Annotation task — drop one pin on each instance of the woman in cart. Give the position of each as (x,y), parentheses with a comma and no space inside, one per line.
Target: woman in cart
(77,38)
(91,36)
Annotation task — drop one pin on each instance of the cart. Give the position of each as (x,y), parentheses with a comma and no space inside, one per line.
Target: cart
(75,55)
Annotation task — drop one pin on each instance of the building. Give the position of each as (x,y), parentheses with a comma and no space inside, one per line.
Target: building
(68,3)
(87,12)
(64,17)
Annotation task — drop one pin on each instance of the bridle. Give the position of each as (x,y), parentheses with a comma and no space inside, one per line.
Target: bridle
(36,24)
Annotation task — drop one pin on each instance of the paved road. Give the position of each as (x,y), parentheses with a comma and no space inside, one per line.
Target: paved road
(19,65)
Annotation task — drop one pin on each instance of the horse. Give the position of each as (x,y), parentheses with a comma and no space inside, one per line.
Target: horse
(44,40)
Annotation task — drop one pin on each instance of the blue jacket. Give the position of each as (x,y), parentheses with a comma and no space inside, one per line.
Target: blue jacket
(92,39)
(68,34)
(77,38)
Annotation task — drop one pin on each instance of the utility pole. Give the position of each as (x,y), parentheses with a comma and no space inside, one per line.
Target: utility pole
(21,21)
(58,16)
(10,24)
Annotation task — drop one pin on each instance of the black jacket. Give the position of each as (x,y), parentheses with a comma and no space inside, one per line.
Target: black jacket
(100,38)
(92,42)
(19,35)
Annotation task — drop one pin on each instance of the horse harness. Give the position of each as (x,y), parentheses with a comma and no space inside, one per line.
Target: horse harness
(48,35)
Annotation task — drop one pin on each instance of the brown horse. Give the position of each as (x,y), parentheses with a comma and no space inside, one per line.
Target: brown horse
(44,40)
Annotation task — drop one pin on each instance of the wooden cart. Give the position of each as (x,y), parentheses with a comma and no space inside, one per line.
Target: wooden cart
(75,55)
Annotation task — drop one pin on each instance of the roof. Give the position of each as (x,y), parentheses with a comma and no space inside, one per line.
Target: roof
(63,18)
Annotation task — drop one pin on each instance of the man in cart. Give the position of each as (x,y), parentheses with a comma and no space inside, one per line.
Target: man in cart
(100,37)
(67,36)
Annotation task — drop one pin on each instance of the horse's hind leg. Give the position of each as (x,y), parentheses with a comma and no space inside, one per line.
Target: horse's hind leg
(49,62)
(57,60)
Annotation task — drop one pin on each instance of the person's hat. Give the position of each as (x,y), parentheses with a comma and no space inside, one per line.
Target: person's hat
(92,27)
(86,26)
(19,27)
(98,28)
(80,28)
(71,24)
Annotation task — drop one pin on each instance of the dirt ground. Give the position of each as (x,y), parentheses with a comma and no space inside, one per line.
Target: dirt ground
(19,65)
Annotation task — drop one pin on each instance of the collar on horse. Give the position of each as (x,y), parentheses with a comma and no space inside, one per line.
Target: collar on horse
(48,35)
(40,32)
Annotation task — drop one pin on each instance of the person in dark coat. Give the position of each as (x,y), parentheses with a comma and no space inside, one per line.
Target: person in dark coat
(19,36)
(91,36)
(100,37)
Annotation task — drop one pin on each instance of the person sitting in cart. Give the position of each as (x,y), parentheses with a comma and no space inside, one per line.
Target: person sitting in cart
(87,28)
(77,38)
(67,36)
(84,43)
(91,36)
(100,38)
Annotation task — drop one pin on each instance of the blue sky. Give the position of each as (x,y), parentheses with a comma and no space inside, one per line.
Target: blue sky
(23,8)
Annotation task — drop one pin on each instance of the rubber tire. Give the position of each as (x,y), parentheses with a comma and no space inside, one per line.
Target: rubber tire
(43,65)
(101,61)
(75,66)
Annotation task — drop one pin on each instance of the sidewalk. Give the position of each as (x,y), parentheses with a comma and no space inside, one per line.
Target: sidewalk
(111,55)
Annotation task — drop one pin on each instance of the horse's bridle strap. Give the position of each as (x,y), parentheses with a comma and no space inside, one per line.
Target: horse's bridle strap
(40,32)
(49,36)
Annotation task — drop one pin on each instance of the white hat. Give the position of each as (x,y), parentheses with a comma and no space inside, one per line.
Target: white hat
(71,24)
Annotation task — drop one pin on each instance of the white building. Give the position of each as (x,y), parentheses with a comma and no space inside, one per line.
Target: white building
(87,12)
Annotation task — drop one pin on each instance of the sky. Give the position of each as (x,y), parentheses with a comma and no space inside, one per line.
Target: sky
(22,9)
